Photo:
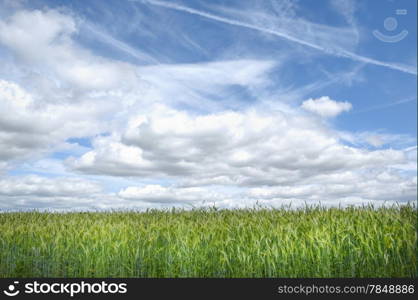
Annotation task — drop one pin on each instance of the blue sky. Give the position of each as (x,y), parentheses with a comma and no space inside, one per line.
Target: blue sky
(119,104)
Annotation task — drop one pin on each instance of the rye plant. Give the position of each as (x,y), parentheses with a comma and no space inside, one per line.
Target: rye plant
(259,242)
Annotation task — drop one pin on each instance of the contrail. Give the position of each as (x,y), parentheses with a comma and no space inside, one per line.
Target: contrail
(121,46)
(333,51)
(383,106)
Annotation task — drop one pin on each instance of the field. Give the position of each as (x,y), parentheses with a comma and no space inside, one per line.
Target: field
(309,242)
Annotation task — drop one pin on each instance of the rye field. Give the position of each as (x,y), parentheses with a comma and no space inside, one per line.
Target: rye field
(309,242)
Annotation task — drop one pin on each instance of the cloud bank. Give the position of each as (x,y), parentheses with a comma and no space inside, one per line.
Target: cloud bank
(119,134)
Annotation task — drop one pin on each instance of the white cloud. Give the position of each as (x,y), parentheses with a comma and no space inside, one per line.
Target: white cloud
(33,34)
(229,148)
(43,40)
(370,185)
(303,37)
(346,8)
(29,127)
(160,194)
(326,107)
(69,92)
(18,129)
(375,140)
(205,86)
(103,36)
(55,89)
(73,93)
(378,139)
(244,72)
(46,187)
(28,192)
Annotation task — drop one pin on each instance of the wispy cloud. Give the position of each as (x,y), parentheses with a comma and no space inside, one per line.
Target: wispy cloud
(118,44)
(139,106)
(386,105)
(346,8)
(339,52)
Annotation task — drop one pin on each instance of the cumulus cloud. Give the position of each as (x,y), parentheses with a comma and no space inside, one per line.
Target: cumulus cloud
(29,127)
(175,133)
(33,191)
(18,129)
(230,148)
(74,193)
(159,194)
(326,107)
(371,185)
(43,40)
(46,187)
(59,89)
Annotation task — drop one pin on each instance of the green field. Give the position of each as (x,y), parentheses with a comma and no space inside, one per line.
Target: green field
(309,242)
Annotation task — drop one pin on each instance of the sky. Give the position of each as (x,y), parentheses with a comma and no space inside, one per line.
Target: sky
(139,104)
